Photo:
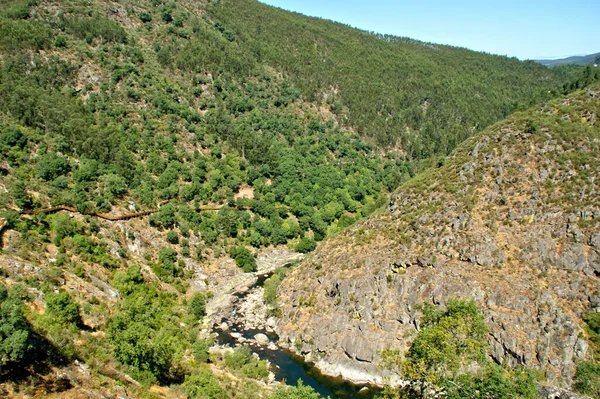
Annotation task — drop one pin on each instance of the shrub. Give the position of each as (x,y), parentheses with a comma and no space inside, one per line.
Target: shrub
(115,185)
(172,237)
(450,342)
(60,42)
(62,308)
(587,379)
(165,217)
(197,306)
(200,350)
(203,385)
(300,391)
(50,166)
(145,17)
(239,358)
(243,259)
(15,331)
(306,245)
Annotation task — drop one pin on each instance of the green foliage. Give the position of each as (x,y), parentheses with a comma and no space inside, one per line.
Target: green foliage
(172,237)
(197,306)
(127,282)
(115,185)
(431,94)
(167,267)
(270,288)
(242,359)
(587,379)
(51,165)
(62,309)
(587,375)
(447,341)
(15,332)
(243,259)
(20,35)
(450,342)
(238,358)
(165,217)
(300,391)
(145,331)
(306,245)
(145,17)
(200,350)
(94,122)
(204,385)
(96,27)
(593,321)
(60,42)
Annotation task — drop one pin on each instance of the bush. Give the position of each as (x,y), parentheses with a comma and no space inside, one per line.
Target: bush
(15,331)
(450,342)
(115,185)
(447,340)
(165,217)
(300,391)
(239,358)
(172,237)
(60,42)
(306,245)
(50,166)
(587,379)
(243,259)
(593,321)
(167,255)
(200,350)
(145,17)
(62,308)
(197,306)
(204,385)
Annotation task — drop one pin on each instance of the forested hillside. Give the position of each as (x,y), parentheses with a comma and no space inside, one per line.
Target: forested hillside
(423,97)
(150,150)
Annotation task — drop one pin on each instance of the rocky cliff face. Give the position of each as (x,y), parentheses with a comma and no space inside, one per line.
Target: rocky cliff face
(511,220)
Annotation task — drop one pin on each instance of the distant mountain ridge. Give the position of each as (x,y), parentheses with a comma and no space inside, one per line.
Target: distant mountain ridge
(574,60)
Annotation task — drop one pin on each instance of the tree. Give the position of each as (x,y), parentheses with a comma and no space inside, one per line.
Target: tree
(50,166)
(145,17)
(243,259)
(15,331)
(197,306)
(62,308)
(172,237)
(204,385)
(449,343)
(306,245)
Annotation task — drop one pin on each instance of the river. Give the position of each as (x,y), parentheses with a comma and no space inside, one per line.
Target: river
(286,366)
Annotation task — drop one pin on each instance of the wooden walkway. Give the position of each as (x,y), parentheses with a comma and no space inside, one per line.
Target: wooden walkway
(103,216)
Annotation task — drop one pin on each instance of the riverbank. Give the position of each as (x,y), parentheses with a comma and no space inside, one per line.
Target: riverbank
(238,315)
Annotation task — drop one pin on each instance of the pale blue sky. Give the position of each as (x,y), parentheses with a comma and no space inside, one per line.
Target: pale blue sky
(527,29)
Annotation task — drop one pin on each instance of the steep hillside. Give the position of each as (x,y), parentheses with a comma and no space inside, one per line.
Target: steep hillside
(510,220)
(424,97)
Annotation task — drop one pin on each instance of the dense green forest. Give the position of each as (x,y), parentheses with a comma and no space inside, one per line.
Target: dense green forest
(125,106)
(425,98)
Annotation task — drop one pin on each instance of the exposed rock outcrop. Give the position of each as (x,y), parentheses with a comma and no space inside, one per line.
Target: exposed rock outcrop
(512,221)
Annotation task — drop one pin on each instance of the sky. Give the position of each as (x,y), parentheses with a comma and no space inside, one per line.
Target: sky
(526,29)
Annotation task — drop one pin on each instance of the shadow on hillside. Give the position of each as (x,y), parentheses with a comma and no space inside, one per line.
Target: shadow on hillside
(36,369)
